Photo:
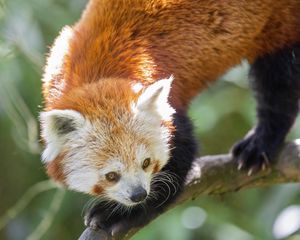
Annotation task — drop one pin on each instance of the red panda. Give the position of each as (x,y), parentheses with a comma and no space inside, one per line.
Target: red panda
(118,83)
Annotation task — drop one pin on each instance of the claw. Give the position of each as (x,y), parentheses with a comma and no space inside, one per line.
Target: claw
(263,167)
(240,165)
(86,222)
(93,225)
(250,172)
(266,159)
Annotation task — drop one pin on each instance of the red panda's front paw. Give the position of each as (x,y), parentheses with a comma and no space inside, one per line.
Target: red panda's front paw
(254,153)
(105,219)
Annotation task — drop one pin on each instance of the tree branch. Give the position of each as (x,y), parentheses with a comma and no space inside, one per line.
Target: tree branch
(213,175)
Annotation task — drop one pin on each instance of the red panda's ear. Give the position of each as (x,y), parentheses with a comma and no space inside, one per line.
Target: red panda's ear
(154,99)
(56,125)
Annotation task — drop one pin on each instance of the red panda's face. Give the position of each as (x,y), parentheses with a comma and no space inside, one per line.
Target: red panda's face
(115,155)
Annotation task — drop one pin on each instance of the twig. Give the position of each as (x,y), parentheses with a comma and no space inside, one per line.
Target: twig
(214,175)
(25,200)
(48,218)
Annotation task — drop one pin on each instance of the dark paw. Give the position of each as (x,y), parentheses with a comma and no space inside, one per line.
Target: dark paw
(253,153)
(107,219)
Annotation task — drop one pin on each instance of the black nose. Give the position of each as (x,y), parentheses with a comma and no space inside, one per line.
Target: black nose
(138,194)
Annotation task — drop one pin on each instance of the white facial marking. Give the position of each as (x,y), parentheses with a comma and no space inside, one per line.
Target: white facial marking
(82,178)
(142,153)
(81,173)
(112,166)
(131,178)
(158,137)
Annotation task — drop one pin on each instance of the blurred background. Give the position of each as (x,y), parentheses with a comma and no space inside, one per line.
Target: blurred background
(31,207)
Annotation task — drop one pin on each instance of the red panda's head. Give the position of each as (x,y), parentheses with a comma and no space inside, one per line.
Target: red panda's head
(109,138)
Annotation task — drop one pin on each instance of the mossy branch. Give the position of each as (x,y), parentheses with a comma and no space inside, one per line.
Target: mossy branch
(214,175)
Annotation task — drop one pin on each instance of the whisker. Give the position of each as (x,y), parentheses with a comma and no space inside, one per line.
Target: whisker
(170,177)
(115,209)
(91,203)
(169,193)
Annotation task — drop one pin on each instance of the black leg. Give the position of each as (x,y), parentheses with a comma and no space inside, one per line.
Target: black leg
(276,81)
(164,190)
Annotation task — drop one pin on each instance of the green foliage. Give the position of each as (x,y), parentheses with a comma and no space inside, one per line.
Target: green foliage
(222,115)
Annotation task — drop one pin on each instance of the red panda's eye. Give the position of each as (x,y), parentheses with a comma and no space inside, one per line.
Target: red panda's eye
(112,176)
(146,163)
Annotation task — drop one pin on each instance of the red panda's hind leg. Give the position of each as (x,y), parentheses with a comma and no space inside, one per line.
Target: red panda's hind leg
(276,82)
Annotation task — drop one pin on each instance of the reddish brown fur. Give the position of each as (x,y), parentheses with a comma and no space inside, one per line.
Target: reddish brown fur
(196,41)
(92,99)
(156,168)
(97,190)
(55,169)
(100,187)
(119,42)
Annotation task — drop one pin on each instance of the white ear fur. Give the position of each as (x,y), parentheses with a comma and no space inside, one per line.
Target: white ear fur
(56,125)
(155,99)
